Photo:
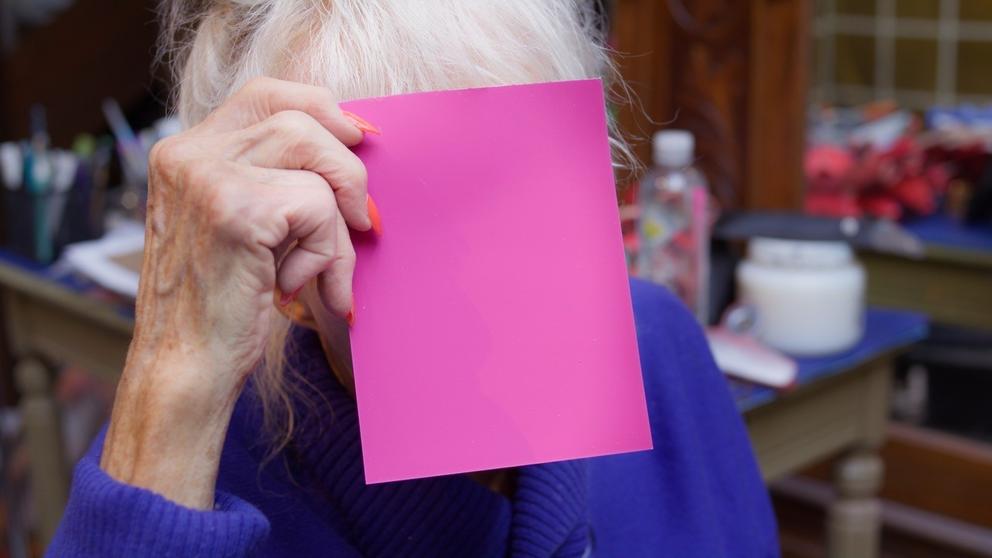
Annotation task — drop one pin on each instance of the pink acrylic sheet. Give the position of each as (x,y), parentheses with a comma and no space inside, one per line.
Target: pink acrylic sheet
(494,325)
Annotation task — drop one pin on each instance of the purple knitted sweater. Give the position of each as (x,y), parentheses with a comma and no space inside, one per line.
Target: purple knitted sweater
(698,493)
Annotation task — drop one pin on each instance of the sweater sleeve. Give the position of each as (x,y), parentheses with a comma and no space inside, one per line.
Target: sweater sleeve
(107,518)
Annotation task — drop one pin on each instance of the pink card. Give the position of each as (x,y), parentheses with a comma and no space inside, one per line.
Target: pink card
(493,322)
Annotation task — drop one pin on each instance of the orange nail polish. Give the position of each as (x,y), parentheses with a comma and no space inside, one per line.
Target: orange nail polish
(361,123)
(351,316)
(374,215)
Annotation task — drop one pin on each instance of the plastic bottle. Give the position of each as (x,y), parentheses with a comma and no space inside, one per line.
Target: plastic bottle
(673,226)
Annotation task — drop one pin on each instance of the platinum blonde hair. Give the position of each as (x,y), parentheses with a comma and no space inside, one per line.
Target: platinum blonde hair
(367,48)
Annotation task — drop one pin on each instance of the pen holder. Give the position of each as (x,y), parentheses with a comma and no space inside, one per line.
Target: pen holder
(83,218)
(38,225)
(24,220)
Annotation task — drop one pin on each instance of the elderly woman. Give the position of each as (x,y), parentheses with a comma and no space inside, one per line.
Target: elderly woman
(234,429)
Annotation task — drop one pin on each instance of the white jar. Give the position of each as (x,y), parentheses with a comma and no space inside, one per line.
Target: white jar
(809,295)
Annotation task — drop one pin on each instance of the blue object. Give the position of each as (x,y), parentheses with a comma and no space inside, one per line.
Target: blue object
(71,282)
(884,330)
(943,231)
(963,116)
(697,493)
(26,264)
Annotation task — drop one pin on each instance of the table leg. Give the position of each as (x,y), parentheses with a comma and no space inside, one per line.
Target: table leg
(49,479)
(854,521)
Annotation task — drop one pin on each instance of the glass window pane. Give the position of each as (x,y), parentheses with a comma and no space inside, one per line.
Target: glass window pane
(854,60)
(924,9)
(916,64)
(856,7)
(980,10)
(974,77)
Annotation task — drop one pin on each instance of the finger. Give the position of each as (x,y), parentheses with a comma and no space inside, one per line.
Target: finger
(303,224)
(293,140)
(263,97)
(335,284)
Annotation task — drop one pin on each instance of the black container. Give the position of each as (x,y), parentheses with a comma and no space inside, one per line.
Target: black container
(27,222)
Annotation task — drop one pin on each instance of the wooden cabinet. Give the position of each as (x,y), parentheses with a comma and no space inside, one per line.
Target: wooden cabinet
(734,72)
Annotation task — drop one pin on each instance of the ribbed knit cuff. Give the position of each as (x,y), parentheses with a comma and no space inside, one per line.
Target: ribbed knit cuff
(107,518)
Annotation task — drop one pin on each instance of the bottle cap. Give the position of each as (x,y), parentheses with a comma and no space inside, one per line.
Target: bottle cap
(673,148)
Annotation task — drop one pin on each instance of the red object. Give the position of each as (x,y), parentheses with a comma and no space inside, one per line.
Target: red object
(827,167)
(901,180)
(916,195)
(882,207)
(831,204)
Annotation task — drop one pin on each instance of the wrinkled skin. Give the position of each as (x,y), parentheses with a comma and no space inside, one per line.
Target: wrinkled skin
(255,200)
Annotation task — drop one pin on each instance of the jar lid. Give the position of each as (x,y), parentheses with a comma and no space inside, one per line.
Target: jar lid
(799,253)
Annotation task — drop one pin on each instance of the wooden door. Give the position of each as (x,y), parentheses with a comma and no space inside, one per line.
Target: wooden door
(734,72)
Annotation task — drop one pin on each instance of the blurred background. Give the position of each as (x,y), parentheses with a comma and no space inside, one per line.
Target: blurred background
(814,182)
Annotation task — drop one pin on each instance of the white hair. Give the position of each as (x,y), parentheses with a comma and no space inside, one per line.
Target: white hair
(367,48)
(370,48)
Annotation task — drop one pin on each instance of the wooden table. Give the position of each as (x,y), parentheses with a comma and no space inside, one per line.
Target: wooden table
(952,283)
(840,405)
(52,321)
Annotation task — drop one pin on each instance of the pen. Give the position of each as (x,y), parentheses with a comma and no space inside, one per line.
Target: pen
(64,166)
(128,144)
(37,182)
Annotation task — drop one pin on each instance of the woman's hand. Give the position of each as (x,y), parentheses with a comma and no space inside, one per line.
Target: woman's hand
(257,197)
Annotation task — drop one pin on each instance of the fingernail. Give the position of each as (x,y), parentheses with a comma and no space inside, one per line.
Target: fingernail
(374,215)
(361,123)
(351,316)
(285,299)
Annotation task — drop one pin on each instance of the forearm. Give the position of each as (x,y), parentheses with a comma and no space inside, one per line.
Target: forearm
(167,429)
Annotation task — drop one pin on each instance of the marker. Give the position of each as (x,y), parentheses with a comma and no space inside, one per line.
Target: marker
(128,144)
(38,181)
(64,166)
